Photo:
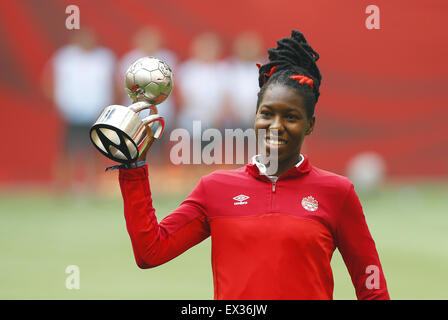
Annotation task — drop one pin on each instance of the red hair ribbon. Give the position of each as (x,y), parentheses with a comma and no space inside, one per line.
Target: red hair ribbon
(267,74)
(303,79)
(271,71)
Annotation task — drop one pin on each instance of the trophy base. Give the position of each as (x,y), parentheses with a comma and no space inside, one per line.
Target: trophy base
(114,143)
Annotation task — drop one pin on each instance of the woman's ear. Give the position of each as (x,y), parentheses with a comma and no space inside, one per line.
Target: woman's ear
(311,123)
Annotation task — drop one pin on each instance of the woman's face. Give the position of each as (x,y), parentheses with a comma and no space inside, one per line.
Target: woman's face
(283,115)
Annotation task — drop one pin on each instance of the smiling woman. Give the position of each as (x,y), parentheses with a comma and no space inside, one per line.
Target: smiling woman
(273,233)
(283,115)
(289,90)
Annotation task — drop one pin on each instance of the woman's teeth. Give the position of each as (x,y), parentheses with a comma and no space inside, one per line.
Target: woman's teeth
(277,142)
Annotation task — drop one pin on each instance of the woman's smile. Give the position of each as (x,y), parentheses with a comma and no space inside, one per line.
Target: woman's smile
(274,142)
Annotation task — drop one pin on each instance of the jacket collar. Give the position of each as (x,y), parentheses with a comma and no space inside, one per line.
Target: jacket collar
(255,169)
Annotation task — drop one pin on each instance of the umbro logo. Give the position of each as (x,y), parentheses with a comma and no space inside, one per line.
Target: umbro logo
(240,200)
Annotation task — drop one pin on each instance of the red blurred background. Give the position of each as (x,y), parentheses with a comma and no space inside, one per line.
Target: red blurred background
(383,90)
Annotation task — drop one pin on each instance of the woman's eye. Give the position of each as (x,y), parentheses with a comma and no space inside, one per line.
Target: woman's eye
(292,117)
(266,113)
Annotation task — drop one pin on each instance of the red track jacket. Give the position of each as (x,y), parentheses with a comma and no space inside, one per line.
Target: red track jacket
(269,240)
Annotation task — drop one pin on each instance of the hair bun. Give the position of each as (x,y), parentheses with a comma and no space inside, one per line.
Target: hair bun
(298,36)
(293,54)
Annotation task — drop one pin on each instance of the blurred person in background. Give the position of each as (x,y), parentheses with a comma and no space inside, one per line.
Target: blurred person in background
(79,78)
(241,82)
(201,82)
(149,41)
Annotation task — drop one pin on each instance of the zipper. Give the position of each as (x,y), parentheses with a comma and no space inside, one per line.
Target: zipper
(273,195)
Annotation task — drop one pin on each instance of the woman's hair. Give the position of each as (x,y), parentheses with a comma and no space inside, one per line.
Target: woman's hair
(293,64)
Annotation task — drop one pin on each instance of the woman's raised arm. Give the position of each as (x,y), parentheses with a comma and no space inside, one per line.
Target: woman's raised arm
(156,243)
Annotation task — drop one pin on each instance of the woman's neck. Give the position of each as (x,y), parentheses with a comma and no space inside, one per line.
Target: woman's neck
(283,166)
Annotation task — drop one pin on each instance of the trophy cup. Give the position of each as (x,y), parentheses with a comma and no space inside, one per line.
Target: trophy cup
(119,133)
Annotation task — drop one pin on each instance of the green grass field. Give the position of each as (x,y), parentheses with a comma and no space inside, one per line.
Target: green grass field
(40,235)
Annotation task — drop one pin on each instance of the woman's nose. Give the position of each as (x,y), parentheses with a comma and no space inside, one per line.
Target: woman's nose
(276,124)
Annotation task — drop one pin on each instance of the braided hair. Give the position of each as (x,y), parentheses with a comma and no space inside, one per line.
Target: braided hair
(292,63)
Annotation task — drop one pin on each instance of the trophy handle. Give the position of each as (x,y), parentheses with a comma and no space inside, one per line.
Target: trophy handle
(149,120)
(141,105)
